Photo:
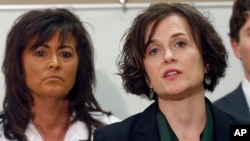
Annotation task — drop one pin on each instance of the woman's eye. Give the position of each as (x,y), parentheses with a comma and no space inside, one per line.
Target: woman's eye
(154,51)
(66,54)
(180,44)
(40,53)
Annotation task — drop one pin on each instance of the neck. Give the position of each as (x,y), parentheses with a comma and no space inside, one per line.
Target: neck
(186,117)
(51,118)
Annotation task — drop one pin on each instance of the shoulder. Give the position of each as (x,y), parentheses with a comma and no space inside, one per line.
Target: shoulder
(230,97)
(228,100)
(79,130)
(126,123)
(104,118)
(132,121)
(2,136)
(119,130)
(222,122)
(222,117)
(130,128)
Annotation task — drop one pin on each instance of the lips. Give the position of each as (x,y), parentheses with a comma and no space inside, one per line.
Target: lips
(171,73)
(54,77)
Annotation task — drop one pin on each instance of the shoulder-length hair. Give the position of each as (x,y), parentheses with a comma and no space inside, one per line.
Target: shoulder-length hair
(43,24)
(210,45)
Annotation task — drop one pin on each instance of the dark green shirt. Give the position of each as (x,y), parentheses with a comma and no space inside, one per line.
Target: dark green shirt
(167,134)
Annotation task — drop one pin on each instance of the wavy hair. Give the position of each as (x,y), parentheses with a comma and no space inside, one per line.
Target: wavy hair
(209,43)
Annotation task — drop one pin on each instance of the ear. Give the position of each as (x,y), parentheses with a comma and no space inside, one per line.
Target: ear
(235,47)
(148,81)
(206,68)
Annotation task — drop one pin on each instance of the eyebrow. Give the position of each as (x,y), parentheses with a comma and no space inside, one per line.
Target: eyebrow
(172,36)
(178,34)
(66,46)
(60,47)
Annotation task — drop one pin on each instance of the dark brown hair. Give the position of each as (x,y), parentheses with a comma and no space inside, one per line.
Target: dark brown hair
(210,45)
(239,17)
(18,101)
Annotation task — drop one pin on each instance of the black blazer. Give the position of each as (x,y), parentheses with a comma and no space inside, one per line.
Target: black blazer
(143,126)
(235,104)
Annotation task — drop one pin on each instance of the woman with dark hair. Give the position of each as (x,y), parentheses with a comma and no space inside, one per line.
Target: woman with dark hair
(172,54)
(49,75)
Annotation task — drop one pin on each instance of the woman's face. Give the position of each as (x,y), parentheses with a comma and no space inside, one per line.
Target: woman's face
(50,70)
(172,60)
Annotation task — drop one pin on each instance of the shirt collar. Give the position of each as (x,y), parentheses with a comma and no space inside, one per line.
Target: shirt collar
(77,131)
(246,90)
(31,133)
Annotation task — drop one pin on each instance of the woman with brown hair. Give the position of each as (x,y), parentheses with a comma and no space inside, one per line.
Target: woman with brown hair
(172,54)
(49,75)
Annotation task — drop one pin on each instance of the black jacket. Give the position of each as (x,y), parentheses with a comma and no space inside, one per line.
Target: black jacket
(235,104)
(143,126)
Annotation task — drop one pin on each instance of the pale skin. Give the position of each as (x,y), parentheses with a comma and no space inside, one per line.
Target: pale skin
(175,72)
(50,72)
(241,48)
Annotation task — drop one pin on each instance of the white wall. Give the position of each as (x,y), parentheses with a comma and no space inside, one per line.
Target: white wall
(108,23)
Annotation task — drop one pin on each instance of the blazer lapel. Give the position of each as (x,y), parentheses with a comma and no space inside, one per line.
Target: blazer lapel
(147,129)
(221,123)
(239,104)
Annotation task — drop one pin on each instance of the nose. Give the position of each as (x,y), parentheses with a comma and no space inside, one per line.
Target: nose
(54,62)
(169,56)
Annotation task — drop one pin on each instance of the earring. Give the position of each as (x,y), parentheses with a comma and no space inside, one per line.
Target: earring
(207,80)
(151,94)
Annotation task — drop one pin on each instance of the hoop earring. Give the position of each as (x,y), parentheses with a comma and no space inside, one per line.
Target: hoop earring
(151,94)
(207,80)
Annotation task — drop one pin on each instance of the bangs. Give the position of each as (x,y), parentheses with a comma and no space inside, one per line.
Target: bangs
(65,35)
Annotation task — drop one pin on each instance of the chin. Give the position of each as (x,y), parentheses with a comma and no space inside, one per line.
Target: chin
(56,92)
